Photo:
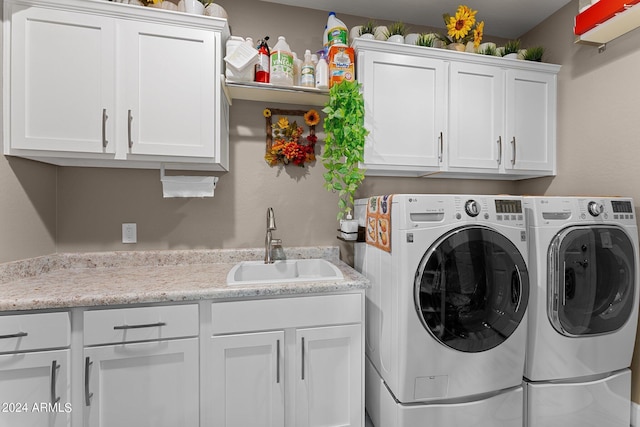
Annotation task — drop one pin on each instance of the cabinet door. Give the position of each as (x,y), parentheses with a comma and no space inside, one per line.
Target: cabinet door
(168,76)
(62,81)
(248,380)
(476,116)
(531,121)
(142,385)
(34,389)
(405,105)
(329,384)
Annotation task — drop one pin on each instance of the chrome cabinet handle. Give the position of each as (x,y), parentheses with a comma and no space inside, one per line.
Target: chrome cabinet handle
(87,394)
(130,119)
(104,128)
(54,371)
(513,158)
(499,150)
(141,326)
(17,335)
(278,362)
(302,358)
(441,148)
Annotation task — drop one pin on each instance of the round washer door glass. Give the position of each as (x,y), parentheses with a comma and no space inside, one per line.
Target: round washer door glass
(472,289)
(591,280)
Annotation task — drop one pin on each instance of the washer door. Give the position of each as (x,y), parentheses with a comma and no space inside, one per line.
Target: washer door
(591,280)
(472,289)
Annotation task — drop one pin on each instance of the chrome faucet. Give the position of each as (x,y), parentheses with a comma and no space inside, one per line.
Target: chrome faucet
(269,241)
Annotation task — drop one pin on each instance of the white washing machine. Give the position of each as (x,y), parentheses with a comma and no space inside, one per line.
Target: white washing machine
(583,311)
(446,323)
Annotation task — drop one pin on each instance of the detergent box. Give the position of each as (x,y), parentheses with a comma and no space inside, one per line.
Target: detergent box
(341,64)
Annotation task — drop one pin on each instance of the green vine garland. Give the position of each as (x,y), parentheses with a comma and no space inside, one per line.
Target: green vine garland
(344,142)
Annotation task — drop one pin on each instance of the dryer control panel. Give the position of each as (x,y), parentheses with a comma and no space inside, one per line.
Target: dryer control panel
(554,210)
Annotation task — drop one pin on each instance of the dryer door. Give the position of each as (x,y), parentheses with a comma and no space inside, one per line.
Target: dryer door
(472,289)
(591,280)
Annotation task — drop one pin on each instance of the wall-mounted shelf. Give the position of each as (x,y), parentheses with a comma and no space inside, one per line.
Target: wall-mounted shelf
(266,92)
(607,20)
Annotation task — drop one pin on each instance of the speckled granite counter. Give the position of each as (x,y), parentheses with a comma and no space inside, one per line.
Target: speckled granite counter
(115,278)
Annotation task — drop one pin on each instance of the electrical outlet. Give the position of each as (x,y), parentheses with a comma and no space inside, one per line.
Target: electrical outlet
(129,233)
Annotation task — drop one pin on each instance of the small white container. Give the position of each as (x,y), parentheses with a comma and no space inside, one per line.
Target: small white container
(411,38)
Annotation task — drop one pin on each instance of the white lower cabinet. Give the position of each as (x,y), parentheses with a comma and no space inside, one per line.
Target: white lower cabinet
(275,362)
(248,379)
(141,367)
(328,387)
(271,366)
(34,375)
(34,389)
(142,384)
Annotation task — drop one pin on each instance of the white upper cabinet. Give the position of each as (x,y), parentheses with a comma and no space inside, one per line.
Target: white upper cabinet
(60,81)
(401,91)
(96,83)
(443,113)
(476,116)
(530,122)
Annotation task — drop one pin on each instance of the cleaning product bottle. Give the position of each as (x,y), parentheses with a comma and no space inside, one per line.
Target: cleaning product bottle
(325,39)
(337,32)
(308,71)
(282,63)
(297,69)
(262,67)
(322,73)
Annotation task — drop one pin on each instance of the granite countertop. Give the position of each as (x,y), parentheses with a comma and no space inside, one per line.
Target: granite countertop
(116,278)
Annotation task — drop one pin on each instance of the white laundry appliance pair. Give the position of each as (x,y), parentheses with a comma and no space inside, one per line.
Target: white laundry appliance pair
(583,310)
(446,312)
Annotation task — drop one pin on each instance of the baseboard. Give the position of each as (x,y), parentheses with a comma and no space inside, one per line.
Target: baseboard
(635,414)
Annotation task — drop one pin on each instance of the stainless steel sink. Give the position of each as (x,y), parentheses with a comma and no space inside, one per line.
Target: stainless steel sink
(284,271)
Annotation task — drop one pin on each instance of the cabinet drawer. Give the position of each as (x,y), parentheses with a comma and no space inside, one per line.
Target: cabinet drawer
(34,331)
(261,315)
(140,324)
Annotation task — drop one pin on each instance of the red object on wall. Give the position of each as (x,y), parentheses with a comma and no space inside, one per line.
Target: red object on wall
(599,13)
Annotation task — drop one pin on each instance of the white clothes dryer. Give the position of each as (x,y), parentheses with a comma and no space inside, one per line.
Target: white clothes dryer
(583,311)
(446,323)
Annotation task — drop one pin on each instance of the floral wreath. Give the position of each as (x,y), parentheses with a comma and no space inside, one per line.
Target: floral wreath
(285,144)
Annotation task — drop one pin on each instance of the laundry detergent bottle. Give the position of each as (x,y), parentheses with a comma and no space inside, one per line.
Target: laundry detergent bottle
(337,32)
(282,63)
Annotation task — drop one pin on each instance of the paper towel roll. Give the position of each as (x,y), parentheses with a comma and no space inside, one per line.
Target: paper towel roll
(187,186)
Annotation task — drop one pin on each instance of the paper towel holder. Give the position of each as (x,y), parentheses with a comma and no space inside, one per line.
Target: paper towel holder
(187,186)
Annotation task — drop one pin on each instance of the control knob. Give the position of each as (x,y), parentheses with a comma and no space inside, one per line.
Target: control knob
(595,208)
(472,208)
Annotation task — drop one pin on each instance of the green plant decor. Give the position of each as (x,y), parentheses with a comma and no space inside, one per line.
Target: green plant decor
(427,40)
(397,28)
(512,46)
(368,27)
(490,51)
(534,53)
(344,142)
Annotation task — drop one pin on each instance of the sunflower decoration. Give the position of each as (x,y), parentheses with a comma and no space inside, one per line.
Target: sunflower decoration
(463,27)
(285,141)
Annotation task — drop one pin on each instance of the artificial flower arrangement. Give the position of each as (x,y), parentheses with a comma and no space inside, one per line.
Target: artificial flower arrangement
(463,27)
(285,144)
